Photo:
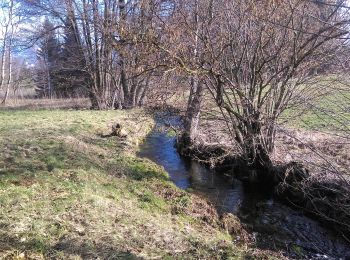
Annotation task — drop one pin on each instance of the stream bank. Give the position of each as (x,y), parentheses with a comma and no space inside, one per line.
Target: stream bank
(70,192)
(272,225)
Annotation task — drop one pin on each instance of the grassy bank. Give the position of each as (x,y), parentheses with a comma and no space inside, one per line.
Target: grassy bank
(68,193)
(329,112)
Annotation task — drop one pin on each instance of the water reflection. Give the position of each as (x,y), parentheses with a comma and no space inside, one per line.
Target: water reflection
(160,148)
(275,223)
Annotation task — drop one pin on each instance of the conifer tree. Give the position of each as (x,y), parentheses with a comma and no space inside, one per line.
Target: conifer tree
(48,55)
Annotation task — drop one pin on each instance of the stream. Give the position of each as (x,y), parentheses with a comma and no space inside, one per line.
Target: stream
(274,225)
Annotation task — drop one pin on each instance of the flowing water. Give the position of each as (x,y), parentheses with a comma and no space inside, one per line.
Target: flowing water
(274,225)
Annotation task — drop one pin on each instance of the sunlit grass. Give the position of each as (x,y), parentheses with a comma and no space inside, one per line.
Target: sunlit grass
(329,112)
(68,193)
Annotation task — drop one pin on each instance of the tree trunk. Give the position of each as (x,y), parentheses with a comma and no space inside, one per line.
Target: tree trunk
(193,108)
(9,57)
(196,89)
(9,78)
(192,116)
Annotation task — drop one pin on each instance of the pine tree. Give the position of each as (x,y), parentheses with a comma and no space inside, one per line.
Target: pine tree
(48,55)
(71,75)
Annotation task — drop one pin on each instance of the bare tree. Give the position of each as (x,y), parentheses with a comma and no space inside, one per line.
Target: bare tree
(256,58)
(10,22)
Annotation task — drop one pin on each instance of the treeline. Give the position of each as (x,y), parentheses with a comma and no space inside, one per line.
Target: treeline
(252,59)
(99,49)
(59,70)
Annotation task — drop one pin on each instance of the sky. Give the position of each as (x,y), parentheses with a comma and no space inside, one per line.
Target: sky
(27,27)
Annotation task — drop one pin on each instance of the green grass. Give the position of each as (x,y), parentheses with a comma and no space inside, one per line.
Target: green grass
(329,112)
(68,193)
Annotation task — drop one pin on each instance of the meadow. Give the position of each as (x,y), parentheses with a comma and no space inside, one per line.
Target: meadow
(66,192)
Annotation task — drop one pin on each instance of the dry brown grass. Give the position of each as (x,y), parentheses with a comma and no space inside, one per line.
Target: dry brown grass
(324,154)
(32,103)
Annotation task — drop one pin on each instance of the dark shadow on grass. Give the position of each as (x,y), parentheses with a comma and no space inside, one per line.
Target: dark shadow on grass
(92,250)
(65,248)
